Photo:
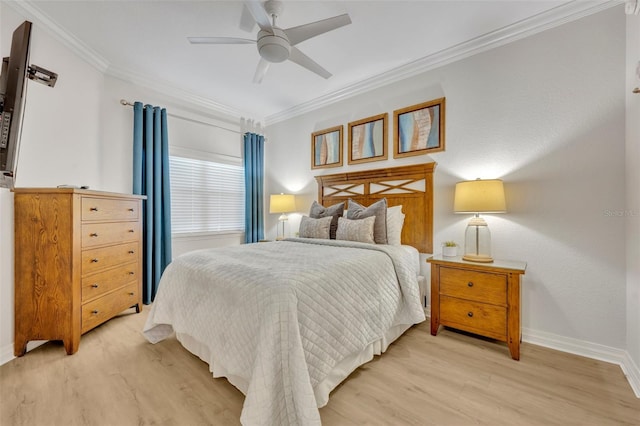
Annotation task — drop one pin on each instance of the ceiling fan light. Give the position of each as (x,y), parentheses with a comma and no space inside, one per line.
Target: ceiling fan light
(274,47)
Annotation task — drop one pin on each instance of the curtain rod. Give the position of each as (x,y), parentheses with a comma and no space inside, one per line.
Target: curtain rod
(124,102)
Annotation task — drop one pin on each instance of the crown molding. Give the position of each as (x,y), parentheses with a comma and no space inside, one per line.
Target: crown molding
(543,21)
(93,58)
(557,16)
(32,12)
(186,98)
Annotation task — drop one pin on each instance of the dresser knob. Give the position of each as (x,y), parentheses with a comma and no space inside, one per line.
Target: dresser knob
(132,293)
(131,210)
(131,273)
(95,312)
(131,230)
(94,286)
(93,234)
(131,252)
(94,260)
(470,284)
(470,314)
(94,209)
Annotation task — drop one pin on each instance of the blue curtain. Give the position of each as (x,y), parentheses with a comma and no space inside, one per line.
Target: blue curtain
(253,182)
(151,178)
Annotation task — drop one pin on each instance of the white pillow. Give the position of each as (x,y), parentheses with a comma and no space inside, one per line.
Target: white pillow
(356,230)
(315,228)
(395,221)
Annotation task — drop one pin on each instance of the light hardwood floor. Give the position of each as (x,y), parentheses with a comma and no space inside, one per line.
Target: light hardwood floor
(117,378)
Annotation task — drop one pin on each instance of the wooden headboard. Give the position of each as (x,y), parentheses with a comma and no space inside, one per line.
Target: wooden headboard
(409,186)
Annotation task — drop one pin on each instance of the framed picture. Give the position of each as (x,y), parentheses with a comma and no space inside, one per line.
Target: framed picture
(368,139)
(419,129)
(326,148)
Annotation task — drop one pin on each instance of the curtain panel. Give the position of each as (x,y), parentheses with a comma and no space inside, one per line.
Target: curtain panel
(151,178)
(254,182)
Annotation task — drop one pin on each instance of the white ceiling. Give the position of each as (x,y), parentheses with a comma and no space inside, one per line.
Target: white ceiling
(146,42)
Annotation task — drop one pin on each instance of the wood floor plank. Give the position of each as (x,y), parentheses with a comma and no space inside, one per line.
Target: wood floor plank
(118,378)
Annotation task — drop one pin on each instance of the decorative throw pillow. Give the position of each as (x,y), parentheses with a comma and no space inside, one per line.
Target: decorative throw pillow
(377,210)
(356,230)
(315,228)
(318,211)
(395,221)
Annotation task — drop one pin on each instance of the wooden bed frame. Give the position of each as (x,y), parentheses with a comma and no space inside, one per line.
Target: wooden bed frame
(409,186)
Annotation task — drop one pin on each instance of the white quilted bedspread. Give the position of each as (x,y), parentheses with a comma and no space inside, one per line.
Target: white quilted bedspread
(281,315)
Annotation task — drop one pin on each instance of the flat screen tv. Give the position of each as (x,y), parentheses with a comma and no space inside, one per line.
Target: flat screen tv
(12,94)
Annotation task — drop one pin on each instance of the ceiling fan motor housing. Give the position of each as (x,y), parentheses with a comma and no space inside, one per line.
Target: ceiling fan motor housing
(274,47)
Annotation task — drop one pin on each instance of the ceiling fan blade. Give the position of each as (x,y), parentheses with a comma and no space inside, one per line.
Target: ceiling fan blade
(304,32)
(220,40)
(304,61)
(259,14)
(261,70)
(247,23)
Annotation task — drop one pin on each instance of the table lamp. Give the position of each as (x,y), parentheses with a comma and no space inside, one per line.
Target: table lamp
(282,203)
(479,196)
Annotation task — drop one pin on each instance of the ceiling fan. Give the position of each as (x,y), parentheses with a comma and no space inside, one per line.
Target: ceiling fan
(275,44)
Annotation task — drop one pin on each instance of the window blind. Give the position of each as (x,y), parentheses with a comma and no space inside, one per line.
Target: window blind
(206,196)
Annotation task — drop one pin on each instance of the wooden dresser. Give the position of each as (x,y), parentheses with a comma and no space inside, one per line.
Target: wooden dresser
(481,298)
(78,262)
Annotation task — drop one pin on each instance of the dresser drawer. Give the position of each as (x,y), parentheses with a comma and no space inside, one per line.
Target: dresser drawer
(100,310)
(472,285)
(479,318)
(103,282)
(109,209)
(96,260)
(96,234)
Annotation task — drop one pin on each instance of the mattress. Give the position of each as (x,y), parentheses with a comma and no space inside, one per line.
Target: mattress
(287,321)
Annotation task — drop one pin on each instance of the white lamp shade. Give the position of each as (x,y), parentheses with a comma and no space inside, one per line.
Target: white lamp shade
(282,203)
(479,196)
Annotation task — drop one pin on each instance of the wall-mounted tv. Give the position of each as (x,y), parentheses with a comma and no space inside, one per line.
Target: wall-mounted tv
(13,84)
(12,93)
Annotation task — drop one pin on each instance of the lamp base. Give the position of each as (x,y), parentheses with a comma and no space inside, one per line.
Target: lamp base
(477,258)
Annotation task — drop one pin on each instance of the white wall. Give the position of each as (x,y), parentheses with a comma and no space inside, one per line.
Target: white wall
(546,115)
(78,133)
(60,142)
(632,207)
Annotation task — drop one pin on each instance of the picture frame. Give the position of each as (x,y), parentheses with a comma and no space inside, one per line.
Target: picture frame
(368,139)
(326,148)
(419,129)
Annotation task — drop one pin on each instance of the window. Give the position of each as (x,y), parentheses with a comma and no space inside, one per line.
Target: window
(206,196)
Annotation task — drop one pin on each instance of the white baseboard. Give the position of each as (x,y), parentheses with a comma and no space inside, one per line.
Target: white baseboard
(589,350)
(6,354)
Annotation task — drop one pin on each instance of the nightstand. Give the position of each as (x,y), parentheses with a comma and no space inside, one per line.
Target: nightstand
(481,298)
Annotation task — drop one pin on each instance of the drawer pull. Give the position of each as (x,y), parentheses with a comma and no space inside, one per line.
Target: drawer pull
(131,230)
(94,286)
(93,234)
(94,260)
(470,314)
(93,209)
(131,273)
(470,284)
(95,312)
(131,210)
(131,293)
(131,251)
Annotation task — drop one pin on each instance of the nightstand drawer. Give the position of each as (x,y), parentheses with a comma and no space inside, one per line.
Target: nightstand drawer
(472,285)
(479,318)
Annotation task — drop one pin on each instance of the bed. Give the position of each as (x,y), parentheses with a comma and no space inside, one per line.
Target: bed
(286,322)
